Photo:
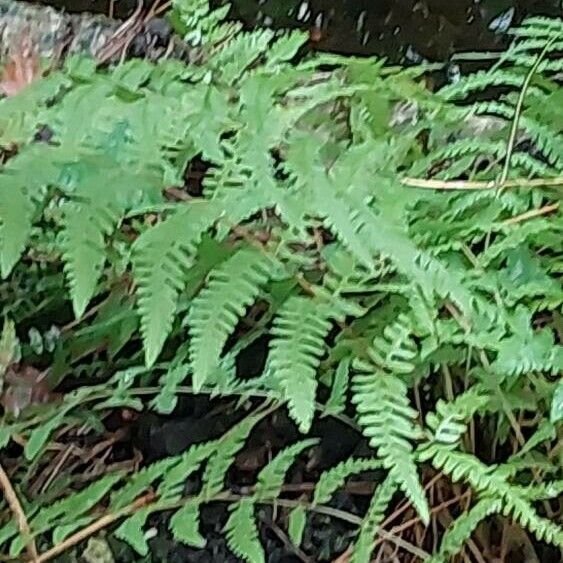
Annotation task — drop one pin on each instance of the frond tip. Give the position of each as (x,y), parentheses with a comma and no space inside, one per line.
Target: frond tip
(215,312)
(299,334)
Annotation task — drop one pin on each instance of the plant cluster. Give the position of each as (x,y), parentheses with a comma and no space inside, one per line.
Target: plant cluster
(428,319)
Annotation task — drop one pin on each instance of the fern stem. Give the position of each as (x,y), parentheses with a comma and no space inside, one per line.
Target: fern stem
(518,112)
(189,390)
(319,509)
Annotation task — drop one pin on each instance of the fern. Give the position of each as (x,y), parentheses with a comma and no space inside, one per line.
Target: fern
(232,287)
(162,256)
(242,534)
(448,423)
(458,534)
(486,480)
(16,213)
(299,332)
(223,456)
(384,411)
(301,239)
(184,525)
(373,518)
(334,478)
(66,510)
(272,477)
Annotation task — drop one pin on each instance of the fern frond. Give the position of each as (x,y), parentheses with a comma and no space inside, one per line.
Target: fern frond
(481,81)
(140,482)
(215,312)
(184,525)
(285,48)
(66,510)
(299,332)
(489,481)
(296,525)
(132,531)
(161,257)
(242,533)
(449,422)
(539,27)
(223,457)
(373,518)
(332,479)
(463,526)
(23,185)
(545,139)
(239,54)
(85,228)
(188,463)
(16,213)
(384,411)
(271,477)
(395,350)
(336,402)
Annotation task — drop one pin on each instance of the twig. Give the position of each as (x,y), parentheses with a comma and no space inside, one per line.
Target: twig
(96,526)
(19,514)
(531,214)
(432,184)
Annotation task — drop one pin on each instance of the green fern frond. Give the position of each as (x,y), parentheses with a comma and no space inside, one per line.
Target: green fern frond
(489,481)
(523,512)
(528,165)
(215,312)
(547,141)
(242,533)
(463,526)
(299,332)
(332,479)
(449,422)
(239,54)
(140,482)
(297,521)
(395,350)
(184,525)
(84,248)
(271,477)
(131,530)
(188,463)
(373,518)
(161,258)
(16,213)
(285,48)
(538,27)
(223,457)
(66,510)
(336,402)
(385,414)
(481,81)
(542,491)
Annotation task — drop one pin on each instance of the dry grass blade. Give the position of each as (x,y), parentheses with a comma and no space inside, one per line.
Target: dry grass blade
(19,514)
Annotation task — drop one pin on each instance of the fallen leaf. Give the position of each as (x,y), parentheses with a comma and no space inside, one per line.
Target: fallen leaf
(25,387)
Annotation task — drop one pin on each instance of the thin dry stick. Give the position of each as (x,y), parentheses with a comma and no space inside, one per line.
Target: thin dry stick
(531,214)
(19,514)
(518,112)
(432,184)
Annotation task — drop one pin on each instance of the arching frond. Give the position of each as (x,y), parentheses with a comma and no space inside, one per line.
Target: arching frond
(215,312)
